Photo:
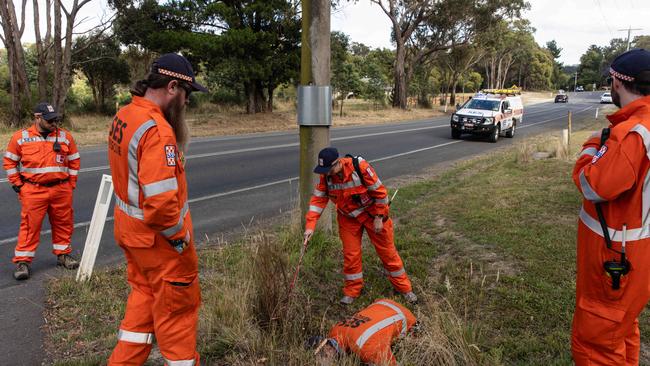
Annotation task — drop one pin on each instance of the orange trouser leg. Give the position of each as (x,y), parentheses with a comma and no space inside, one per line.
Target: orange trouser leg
(34,202)
(169,298)
(136,333)
(387,252)
(605,326)
(350,232)
(60,213)
(633,345)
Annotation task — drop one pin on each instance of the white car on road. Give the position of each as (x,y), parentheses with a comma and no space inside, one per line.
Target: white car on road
(606,98)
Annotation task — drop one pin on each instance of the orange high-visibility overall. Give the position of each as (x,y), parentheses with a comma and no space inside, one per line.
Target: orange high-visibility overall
(151,209)
(358,200)
(47,178)
(605,325)
(371,332)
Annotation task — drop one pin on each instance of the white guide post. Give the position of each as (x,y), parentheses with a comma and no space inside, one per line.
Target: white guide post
(96,228)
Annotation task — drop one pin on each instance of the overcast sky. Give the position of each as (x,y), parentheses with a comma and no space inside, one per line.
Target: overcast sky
(574,24)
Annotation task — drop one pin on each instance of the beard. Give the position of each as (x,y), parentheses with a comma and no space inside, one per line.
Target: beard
(616,98)
(175,115)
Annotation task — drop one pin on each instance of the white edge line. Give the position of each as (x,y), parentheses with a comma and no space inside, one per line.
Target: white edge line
(288,180)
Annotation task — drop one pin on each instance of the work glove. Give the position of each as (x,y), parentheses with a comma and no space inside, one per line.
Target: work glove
(308,233)
(378,224)
(16,188)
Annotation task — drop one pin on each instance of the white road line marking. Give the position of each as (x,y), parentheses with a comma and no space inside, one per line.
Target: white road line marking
(293,144)
(287,180)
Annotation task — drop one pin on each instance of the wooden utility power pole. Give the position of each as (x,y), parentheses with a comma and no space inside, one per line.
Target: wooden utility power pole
(314,98)
(629,31)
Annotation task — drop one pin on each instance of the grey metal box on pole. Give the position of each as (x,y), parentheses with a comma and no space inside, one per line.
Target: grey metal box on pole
(314,105)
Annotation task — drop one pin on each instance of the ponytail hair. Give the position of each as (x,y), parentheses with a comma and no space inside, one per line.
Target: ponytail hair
(153,81)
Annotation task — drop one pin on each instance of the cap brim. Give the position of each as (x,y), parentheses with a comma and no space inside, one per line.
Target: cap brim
(50,116)
(198,87)
(322,169)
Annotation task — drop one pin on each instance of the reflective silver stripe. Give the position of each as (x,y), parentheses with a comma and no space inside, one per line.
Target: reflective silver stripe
(19,253)
(645,201)
(11,171)
(25,134)
(384,200)
(616,235)
(587,191)
(60,246)
(591,151)
(12,156)
(370,173)
(645,136)
(356,212)
(353,276)
(134,188)
(318,193)
(397,273)
(179,362)
(315,209)
(60,139)
(171,231)
(74,156)
(159,187)
(375,186)
(398,311)
(363,338)
(355,182)
(134,337)
(645,193)
(48,169)
(73,172)
(134,212)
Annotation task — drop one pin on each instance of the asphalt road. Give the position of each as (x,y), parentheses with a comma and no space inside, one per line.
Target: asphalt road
(235,181)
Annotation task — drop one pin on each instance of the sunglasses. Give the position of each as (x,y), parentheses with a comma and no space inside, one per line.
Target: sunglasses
(610,80)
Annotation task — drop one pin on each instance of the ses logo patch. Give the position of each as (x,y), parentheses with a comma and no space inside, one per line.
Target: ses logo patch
(599,154)
(170,155)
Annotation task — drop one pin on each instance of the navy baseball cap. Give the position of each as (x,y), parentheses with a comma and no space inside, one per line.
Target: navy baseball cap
(46,111)
(177,67)
(632,66)
(326,157)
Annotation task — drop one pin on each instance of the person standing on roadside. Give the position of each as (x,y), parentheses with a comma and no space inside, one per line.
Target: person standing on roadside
(42,163)
(153,225)
(612,173)
(362,204)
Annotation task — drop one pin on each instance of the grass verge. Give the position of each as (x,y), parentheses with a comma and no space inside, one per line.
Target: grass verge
(489,245)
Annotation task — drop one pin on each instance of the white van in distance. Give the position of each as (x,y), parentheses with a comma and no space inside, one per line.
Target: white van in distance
(489,114)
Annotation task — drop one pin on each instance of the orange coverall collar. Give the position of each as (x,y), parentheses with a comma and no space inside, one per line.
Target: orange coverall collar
(146,103)
(626,112)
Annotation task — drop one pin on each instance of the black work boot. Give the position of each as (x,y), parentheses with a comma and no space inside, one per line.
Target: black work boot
(22,271)
(67,261)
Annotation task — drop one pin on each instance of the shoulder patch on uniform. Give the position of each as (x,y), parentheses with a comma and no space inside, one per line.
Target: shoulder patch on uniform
(599,154)
(170,155)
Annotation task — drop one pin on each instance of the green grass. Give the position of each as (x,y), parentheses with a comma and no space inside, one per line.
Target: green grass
(489,245)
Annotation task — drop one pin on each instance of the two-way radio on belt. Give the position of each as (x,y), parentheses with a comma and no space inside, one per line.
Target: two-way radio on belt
(615,269)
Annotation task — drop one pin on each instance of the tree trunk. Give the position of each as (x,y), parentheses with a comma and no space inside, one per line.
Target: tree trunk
(42,48)
(250,96)
(57,84)
(269,103)
(400,95)
(20,94)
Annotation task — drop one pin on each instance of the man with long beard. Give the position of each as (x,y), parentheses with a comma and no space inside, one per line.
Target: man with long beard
(153,226)
(613,175)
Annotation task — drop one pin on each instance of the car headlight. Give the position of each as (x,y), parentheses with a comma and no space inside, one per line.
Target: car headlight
(454,117)
(488,121)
